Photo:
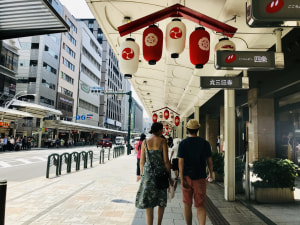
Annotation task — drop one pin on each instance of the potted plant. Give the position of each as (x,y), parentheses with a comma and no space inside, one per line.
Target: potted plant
(276,181)
(218,166)
(239,173)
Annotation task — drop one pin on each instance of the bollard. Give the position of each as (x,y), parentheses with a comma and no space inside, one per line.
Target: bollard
(83,156)
(63,158)
(3,185)
(101,159)
(90,154)
(108,157)
(55,158)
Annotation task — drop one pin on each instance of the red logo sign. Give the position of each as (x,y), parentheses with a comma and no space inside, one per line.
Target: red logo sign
(230,58)
(175,33)
(274,6)
(227,46)
(127,54)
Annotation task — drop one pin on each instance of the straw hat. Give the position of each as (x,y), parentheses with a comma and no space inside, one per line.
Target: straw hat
(193,124)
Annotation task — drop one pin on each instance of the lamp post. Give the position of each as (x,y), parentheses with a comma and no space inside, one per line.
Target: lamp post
(120,95)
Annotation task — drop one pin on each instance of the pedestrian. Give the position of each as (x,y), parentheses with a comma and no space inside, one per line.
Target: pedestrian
(154,155)
(174,159)
(194,154)
(24,143)
(138,148)
(170,142)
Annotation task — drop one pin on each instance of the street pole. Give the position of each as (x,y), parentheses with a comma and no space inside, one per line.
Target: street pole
(129,123)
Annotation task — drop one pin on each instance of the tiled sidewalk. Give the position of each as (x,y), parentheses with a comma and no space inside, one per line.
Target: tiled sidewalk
(104,194)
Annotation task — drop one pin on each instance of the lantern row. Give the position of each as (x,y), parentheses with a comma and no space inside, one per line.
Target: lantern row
(166,115)
(199,45)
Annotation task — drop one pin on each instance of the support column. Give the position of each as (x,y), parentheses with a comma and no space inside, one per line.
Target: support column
(40,132)
(212,131)
(222,123)
(229,128)
(179,130)
(184,127)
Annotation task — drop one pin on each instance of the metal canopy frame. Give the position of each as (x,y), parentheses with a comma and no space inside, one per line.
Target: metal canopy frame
(23,18)
(178,10)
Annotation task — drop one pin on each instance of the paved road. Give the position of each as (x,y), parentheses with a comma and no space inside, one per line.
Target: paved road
(24,165)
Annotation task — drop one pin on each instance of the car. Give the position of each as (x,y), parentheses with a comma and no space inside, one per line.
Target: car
(120,140)
(104,143)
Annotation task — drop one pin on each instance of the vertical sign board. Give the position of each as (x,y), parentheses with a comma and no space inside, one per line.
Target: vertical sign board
(221,82)
(238,60)
(273,13)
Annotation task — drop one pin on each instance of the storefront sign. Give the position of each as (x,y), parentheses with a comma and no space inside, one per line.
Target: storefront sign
(85,88)
(118,124)
(273,13)
(246,60)
(4,125)
(110,121)
(221,82)
(65,100)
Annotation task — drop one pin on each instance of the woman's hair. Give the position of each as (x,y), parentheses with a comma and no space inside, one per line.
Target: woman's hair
(142,137)
(156,127)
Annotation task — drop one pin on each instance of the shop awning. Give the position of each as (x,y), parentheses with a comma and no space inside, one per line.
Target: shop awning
(67,125)
(36,110)
(23,18)
(12,114)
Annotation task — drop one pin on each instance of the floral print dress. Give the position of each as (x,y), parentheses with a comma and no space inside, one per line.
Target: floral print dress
(148,196)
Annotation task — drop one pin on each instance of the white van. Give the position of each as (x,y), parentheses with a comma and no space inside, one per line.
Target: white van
(120,140)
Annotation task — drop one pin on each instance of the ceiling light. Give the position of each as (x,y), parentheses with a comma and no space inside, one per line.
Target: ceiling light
(126,19)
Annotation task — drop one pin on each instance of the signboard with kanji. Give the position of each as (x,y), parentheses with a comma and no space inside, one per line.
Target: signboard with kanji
(246,60)
(221,82)
(4,125)
(273,13)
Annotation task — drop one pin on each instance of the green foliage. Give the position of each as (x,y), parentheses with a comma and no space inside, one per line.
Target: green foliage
(239,169)
(218,163)
(275,173)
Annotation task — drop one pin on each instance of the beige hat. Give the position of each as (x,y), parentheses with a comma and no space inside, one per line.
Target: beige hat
(193,124)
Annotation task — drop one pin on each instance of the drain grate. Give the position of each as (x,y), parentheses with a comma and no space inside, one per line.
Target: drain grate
(214,214)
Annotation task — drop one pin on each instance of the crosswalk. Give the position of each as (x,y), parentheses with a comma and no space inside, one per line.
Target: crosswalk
(14,159)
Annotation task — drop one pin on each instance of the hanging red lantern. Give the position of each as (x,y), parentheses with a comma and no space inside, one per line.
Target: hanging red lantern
(154,118)
(167,127)
(129,57)
(225,44)
(152,44)
(199,47)
(166,114)
(175,37)
(176,120)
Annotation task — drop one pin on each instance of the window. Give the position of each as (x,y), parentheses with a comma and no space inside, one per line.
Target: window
(88,106)
(67,78)
(67,92)
(35,45)
(69,50)
(33,63)
(49,68)
(46,101)
(72,25)
(50,51)
(48,85)
(70,37)
(90,74)
(90,58)
(68,64)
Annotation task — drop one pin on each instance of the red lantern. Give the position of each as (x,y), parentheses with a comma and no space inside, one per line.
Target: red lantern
(152,44)
(166,114)
(154,118)
(175,37)
(129,60)
(176,120)
(199,47)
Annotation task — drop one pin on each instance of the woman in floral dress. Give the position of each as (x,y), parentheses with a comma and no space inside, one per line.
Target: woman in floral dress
(148,196)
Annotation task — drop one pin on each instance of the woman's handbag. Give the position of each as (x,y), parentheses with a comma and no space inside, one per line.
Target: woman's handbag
(161,177)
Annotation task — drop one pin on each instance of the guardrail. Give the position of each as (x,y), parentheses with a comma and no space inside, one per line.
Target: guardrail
(81,158)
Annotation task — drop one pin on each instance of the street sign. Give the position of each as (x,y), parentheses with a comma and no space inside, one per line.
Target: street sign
(273,13)
(77,117)
(82,117)
(97,90)
(221,82)
(246,60)
(89,116)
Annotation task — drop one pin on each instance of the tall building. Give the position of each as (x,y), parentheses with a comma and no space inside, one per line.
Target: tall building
(90,76)
(111,109)
(137,117)
(68,80)
(8,69)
